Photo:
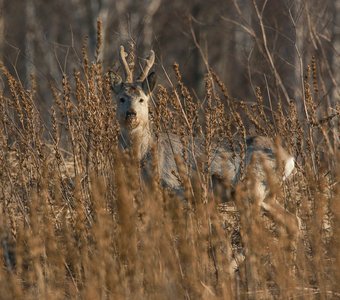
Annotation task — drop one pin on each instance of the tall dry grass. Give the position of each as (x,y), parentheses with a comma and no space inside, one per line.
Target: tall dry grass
(76,221)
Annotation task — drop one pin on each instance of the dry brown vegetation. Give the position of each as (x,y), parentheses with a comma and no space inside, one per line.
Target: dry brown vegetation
(77,222)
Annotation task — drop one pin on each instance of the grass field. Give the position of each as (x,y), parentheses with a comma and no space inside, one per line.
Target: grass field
(77,222)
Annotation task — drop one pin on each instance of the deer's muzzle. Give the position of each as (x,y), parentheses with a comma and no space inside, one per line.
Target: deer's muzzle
(131,119)
(131,114)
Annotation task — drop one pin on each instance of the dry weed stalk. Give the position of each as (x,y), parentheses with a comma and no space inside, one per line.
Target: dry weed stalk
(76,221)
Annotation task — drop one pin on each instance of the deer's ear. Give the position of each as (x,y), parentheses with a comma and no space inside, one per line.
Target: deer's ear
(116,82)
(149,83)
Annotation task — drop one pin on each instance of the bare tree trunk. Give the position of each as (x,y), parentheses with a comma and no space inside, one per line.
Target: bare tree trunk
(275,47)
(15,37)
(2,30)
(97,10)
(151,9)
(335,62)
(90,16)
(299,44)
(336,53)
(29,38)
(103,16)
(197,71)
(122,17)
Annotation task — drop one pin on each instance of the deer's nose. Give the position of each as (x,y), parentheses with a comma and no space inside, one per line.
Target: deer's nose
(131,113)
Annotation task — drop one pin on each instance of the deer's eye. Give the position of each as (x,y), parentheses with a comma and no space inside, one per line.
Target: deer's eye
(122,100)
(141,100)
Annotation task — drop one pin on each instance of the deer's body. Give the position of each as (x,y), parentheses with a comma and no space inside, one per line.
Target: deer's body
(133,116)
(224,163)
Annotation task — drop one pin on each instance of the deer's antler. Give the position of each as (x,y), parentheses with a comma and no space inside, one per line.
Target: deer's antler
(149,63)
(128,72)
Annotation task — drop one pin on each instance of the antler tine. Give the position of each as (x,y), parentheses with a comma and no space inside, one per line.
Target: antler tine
(149,63)
(128,73)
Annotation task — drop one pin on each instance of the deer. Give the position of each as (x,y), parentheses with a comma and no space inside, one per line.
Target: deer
(132,112)
(133,102)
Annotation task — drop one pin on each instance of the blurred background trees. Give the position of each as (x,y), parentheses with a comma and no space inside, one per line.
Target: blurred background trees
(249,44)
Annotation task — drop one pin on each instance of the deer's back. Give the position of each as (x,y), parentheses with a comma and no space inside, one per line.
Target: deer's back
(224,162)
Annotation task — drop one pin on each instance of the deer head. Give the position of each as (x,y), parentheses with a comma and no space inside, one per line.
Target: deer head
(133,95)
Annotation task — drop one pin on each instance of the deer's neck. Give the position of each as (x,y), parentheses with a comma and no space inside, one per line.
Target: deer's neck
(138,140)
